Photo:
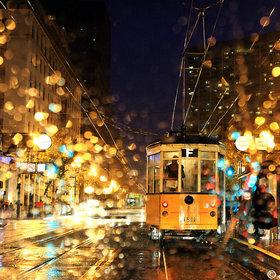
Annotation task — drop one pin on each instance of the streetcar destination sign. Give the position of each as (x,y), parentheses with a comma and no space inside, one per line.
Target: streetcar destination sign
(189,152)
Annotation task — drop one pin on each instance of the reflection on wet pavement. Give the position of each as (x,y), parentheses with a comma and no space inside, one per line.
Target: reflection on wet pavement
(116,250)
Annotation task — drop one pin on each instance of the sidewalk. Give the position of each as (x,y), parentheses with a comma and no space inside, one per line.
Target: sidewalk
(261,258)
(271,249)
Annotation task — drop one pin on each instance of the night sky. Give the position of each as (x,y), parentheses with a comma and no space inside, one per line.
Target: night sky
(146,44)
(147,40)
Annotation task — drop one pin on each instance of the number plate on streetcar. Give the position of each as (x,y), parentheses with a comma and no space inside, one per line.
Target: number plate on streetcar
(190,219)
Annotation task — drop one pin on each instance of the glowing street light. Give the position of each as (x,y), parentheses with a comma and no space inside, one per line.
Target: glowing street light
(42,141)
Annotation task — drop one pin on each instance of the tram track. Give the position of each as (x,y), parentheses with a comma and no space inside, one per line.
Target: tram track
(51,260)
(38,242)
(232,263)
(102,263)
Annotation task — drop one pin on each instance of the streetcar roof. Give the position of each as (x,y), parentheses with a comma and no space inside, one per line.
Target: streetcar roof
(179,138)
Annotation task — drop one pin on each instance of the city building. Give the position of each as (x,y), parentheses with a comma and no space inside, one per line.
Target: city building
(87,30)
(235,80)
(35,78)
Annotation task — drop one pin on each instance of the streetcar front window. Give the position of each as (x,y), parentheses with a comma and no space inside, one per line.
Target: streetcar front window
(170,171)
(208,175)
(170,176)
(189,182)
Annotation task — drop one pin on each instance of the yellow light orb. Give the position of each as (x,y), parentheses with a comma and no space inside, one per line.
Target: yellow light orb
(69,124)
(248,133)
(93,115)
(100,123)
(112,151)
(136,158)
(259,120)
(274,126)
(94,139)
(9,106)
(275,71)
(132,146)
(9,175)
(10,24)
(251,240)
(87,134)
(271,167)
(93,171)
(87,156)
(1,60)
(51,129)
(3,39)
(30,104)
(98,148)
(33,92)
(267,104)
(17,138)
(60,91)
(264,21)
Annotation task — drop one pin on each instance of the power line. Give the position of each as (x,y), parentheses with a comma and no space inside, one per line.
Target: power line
(204,58)
(223,116)
(219,101)
(182,66)
(263,26)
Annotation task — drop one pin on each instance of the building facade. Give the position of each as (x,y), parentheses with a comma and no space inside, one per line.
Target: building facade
(40,93)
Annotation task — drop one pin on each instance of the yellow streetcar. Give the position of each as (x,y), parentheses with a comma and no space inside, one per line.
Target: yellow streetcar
(185,189)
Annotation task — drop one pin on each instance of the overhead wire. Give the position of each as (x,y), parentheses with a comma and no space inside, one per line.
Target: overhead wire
(234,101)
(203,60)
(263,26)
(216,106)
(126,128)
(186,43)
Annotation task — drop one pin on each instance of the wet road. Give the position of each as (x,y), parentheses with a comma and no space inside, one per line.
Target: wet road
(114,249)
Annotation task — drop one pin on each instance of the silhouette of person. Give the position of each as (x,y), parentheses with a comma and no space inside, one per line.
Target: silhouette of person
(172,169)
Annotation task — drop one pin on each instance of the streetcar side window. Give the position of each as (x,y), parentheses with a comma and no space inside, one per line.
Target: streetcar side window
(208,176)
(154,173)
(150,180)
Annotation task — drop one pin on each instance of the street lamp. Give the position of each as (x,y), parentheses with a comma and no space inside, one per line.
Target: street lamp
(42,141)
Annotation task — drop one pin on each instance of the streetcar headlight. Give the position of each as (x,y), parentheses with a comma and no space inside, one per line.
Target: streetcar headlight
(212,213)
(189,199)
(164,213)
(164,204)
